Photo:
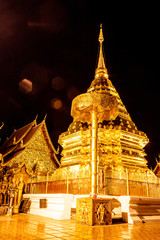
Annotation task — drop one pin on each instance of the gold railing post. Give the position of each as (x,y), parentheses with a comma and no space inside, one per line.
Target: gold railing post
(47,184)
(94,131)
(127,181)
(147,185)
(31,190)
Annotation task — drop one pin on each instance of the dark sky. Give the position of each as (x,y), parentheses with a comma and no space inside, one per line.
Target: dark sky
(54,44)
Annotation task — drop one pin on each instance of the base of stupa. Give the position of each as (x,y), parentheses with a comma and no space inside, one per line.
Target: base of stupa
(129,209)
(56,206)
(61,206)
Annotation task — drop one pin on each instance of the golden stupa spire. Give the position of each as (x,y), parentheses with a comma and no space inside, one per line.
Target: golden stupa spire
(101,70)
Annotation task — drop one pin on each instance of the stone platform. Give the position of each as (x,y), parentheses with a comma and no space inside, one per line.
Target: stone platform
(56,206)
(140,209)
(127,208)
(60,206)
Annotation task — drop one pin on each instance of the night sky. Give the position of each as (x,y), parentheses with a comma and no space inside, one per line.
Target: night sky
(54,45)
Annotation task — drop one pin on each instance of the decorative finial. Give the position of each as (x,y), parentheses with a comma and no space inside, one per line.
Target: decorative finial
(2,125)
(101,38)
(101,70)
(14,140)
(21,142)
(35,120)
(45,117)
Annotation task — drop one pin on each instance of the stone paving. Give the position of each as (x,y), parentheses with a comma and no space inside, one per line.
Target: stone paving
(29,227)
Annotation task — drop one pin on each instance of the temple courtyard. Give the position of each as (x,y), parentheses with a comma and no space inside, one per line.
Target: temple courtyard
(29,227)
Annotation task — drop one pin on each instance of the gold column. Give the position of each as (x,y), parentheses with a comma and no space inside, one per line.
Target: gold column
(94,153)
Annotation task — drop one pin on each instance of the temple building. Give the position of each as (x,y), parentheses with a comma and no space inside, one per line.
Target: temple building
(29,153)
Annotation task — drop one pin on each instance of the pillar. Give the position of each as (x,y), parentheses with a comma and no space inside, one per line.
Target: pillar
(94,153)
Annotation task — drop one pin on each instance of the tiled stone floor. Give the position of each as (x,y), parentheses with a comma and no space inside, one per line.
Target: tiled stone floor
(29,227)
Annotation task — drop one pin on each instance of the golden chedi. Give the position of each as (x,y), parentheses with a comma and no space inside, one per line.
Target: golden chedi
(103,151)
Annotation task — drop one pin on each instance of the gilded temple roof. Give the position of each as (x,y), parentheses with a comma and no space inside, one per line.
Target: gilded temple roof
(28,146)
(13,141)
(157,169)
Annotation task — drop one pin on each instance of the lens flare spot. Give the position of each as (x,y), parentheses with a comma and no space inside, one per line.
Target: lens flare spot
(56,104)
(25,86)
(57,83)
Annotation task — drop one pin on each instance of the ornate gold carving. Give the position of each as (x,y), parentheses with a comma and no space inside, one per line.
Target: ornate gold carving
(92,211)
(72,172)
(82,105)
(11,191)
(37,153)
(83,212)
(103,214)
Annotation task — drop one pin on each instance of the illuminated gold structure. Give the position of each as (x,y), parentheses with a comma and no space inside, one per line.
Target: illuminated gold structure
(92,211)
(103,151)
(27,158)
(157,169)
(31,148)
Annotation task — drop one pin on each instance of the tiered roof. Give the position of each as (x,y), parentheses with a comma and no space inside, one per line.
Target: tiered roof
(19,142)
